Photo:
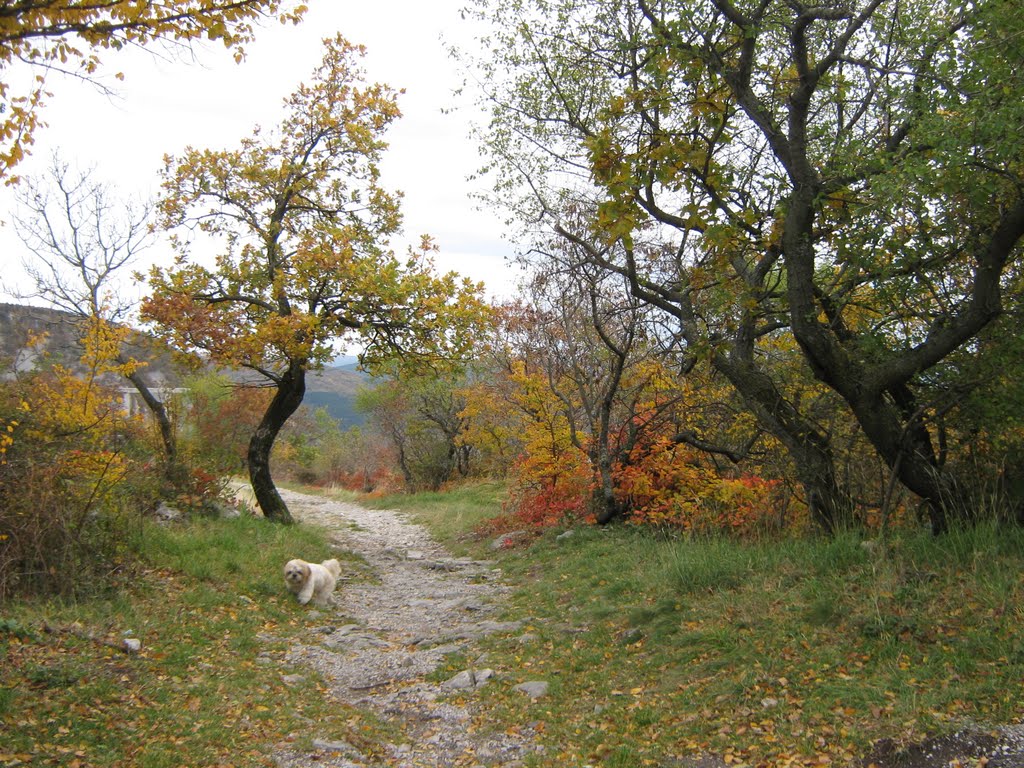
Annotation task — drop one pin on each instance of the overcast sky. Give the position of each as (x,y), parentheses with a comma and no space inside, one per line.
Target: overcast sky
(165,105)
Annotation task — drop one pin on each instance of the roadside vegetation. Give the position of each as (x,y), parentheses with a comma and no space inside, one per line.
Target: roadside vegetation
(771,652)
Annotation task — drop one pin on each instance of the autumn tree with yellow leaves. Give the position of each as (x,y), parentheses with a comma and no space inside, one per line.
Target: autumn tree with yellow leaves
(79,238)
(70,36)
(74,470)
(301,225)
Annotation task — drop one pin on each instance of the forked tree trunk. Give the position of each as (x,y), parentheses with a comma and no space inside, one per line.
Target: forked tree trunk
(878,394)
(291,388)
(904,444)
(829,505)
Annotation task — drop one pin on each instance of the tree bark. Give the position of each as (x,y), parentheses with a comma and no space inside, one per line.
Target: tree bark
(829,505)
(172,470)
(879,394)
(607,507)
(291,388)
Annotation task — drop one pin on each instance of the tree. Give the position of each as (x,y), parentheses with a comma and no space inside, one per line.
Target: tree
(440,405)
(73,476)
(589,342)
(595,393)
(422,417)
(301,223)
(899,184)
(359,459)
(731,322)
(845,174)
(553,129)
(67,36)
(81,238)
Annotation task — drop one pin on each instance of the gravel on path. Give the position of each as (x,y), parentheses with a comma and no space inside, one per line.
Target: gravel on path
(379,643)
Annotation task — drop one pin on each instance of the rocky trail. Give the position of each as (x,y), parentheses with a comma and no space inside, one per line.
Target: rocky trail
(379,642)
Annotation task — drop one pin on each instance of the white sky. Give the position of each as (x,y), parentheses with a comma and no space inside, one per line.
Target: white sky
(166,105)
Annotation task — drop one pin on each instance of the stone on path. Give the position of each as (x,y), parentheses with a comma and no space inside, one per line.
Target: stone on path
(468,679)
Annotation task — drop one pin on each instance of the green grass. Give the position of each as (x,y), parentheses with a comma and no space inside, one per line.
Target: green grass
(805,649)
(206,689)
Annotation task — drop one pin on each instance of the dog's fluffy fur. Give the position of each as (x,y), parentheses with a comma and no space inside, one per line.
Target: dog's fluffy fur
(312,581)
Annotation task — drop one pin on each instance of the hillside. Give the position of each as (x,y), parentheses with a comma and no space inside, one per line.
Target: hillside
(31,337)
(334,388)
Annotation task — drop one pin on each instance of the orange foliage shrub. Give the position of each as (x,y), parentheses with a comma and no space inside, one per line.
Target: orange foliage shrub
(375,480)
(660,483)
(556,499)
(669,485)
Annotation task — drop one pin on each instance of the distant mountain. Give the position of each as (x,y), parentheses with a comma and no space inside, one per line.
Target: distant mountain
(30,336)
(343,381)
(348,362)
(341,408)
(334,388)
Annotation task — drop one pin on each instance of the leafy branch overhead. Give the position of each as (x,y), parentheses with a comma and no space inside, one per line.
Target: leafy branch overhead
(68,37)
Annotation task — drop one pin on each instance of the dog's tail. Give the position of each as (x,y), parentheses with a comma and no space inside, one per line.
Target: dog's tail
(333,566)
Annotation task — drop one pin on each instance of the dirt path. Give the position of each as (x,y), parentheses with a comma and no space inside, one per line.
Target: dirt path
(383,637)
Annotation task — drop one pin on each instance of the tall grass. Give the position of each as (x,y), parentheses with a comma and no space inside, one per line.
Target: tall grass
(247,552)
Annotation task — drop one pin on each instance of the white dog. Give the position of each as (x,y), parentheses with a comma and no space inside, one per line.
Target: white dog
(312,580)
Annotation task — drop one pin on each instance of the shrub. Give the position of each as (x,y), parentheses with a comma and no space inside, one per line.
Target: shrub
(667,485)
(71,487)
(543,502)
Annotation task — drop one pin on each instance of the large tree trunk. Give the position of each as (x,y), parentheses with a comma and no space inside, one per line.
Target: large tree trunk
(608,507)
(878,393)
(291,388)
(903,442)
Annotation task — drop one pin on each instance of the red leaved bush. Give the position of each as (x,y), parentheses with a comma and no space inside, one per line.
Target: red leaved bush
(666,484)
(559,498)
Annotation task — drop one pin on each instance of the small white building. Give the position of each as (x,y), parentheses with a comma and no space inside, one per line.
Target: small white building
(133,404)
